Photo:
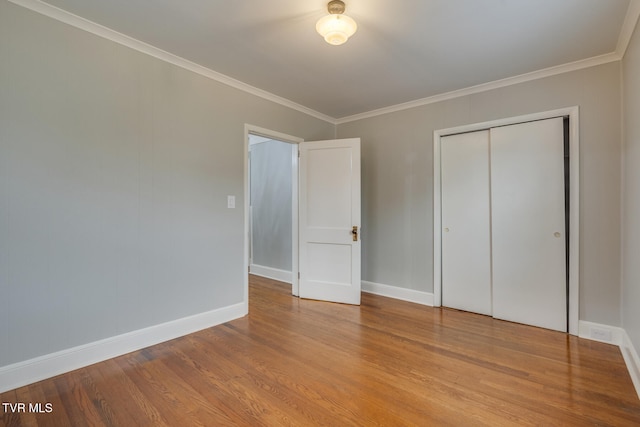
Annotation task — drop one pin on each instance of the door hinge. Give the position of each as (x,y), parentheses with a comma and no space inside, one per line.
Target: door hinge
(298,275)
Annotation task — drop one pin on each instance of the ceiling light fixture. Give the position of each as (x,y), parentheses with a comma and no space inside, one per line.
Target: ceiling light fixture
(336,27)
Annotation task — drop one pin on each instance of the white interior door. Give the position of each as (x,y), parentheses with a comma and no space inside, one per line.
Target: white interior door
(466,239)
(528,224)
(329,213)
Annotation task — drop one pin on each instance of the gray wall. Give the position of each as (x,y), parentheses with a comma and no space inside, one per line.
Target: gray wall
(114,173)
(631,195)
(115,167)
(397,168)
(271,169)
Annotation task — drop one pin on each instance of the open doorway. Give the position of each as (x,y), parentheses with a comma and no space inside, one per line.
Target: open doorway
(270,213)
(271,198)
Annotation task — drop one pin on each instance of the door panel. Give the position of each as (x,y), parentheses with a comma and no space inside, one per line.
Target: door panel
(328,179)
(329,209)
(337,256)
(466,244)
(528,223)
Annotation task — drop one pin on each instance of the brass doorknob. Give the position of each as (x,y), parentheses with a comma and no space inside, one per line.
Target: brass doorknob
(354,233)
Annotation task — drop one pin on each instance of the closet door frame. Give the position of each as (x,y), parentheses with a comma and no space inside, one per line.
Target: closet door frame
(574,199)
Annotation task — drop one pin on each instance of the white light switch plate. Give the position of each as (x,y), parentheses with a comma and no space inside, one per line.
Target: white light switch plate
(231,202)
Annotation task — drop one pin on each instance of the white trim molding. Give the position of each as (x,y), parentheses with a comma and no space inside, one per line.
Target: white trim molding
(632,360)
(271,273)
(484,87)
(124,40)
(631,18)
(629,24)
(404,294)
(602,333)
(630,21)
(250,129)
(574,202)
(616,336)
(47,366)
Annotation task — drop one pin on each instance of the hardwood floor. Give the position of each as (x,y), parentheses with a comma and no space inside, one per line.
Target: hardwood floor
(302,363)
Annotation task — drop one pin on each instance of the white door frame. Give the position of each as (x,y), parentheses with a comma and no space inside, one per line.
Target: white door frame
(574,199)
(256,130)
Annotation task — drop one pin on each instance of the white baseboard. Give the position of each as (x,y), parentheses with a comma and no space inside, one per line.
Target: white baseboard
(632,360)
(271,273)
(47,366)
(617,336)
(598,332)
(419,297)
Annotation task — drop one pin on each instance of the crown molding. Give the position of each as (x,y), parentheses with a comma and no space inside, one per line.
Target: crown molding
(630,21)
(631,18)
(122,39)
(509,81)
(628,26)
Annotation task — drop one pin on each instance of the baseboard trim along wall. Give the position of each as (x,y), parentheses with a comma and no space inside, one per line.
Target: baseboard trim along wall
(617,336)
(47,366)
(271,273)
(411,295)
(632,360)
(598,332)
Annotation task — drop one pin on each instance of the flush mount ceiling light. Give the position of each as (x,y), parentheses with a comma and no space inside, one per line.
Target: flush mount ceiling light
(336,27)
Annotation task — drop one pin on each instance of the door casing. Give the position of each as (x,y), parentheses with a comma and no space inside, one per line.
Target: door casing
(295,246)
(256,130)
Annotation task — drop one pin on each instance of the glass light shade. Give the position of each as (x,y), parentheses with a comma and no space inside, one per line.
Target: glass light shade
(336,29)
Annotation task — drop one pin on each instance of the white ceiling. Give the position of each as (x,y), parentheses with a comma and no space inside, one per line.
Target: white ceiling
(404,50)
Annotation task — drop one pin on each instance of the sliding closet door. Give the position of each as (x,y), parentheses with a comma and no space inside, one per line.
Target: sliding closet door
(466,245)
(528,224)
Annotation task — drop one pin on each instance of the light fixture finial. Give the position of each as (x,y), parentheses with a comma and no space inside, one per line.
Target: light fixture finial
(336,7)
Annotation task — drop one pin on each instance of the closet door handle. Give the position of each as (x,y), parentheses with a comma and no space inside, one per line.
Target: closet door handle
(354,233)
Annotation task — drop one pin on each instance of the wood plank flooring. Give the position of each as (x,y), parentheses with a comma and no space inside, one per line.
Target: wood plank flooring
(295,362)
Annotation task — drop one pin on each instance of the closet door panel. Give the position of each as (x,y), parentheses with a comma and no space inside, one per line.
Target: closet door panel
(466,246)
(528,223)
